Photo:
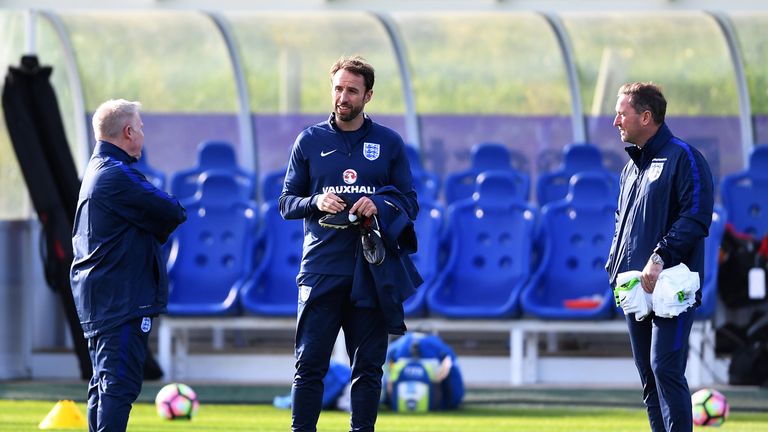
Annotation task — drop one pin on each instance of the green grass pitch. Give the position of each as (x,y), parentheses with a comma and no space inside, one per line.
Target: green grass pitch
(26,415)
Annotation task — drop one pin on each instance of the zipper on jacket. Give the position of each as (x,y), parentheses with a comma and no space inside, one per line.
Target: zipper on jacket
(623,235)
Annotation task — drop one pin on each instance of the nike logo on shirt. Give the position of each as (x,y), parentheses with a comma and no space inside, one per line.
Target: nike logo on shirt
(324,154)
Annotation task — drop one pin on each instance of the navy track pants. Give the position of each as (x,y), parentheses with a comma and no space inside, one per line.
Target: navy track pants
(324,308)
(118,371)
(660,350)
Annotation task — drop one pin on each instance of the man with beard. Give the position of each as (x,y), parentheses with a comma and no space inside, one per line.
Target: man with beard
(339,174)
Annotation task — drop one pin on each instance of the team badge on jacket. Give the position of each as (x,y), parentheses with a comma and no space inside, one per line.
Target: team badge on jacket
(655,171)
(146,324)
(304,291)
(371,151)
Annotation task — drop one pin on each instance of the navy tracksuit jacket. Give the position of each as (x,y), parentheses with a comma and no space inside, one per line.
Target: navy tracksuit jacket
(118,272)
(354,164)
(333,293)
(118,276)
(665,206)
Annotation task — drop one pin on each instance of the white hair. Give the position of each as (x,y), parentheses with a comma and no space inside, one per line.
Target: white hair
(112,116)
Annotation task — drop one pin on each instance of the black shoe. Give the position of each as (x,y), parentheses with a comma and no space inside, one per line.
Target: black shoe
(340,220)
(374,250)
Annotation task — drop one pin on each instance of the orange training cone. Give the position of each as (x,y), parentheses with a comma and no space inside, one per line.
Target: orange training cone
(64,414)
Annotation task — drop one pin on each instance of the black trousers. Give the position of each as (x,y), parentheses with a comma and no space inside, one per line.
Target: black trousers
(324,308)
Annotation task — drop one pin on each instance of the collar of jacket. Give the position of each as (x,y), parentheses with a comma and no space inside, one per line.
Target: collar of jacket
(367,122)
(643,156)
(113,151)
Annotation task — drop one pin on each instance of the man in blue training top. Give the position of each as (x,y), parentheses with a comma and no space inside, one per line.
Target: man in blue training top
(347,165)
(664,213)
(118,275)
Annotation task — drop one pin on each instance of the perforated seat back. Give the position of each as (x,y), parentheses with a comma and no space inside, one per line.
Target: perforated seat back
(272,290)
(213,248)
(577,233)
(490,253)
(492,248)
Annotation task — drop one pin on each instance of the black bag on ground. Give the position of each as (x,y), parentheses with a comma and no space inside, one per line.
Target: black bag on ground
(749,361)
(729,337)
(749,365)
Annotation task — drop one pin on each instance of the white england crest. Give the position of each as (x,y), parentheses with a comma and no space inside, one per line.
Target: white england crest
(146,324)
(371,151)
(304,291)
(655,171)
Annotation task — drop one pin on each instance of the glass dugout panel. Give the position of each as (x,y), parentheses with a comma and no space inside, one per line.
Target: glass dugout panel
(486,77)
(753,42)
(287,58)
(175,63)
(685,53)
(14,199)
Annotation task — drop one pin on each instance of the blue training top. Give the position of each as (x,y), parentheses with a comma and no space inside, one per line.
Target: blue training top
(665,206)
(353,164)
(118,272)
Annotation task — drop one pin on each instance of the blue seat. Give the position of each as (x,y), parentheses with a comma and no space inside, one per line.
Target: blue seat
(745,195)
(518,160)
(490,155)
(212,250)
(272,185)
(428,226)
(485,157)
(553,186)
(570,282)
(154,175)
(426,183)
(711,264)
(489,258)
(512,187)
(213,155)
(272,288)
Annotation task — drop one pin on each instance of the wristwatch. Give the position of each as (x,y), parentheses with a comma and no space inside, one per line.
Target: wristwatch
(656,259)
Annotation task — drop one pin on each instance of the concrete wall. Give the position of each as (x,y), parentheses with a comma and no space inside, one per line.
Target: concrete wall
(30,314)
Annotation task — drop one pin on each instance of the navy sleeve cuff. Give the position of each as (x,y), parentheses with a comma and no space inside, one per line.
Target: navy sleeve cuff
(664,255)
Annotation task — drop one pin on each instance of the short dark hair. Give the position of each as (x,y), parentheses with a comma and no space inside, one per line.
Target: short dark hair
(646,96)
(357,65)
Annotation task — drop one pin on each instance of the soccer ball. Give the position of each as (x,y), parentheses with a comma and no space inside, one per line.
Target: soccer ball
(176,401)
(710,408)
